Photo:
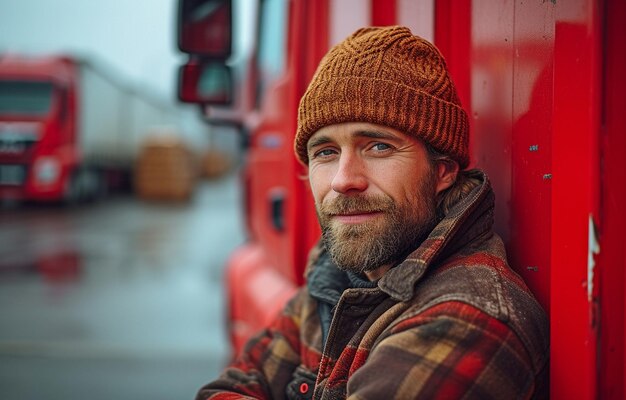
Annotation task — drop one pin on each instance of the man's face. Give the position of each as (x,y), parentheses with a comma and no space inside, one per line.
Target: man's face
(374,191)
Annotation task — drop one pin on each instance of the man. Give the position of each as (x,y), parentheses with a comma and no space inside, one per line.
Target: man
(408,294)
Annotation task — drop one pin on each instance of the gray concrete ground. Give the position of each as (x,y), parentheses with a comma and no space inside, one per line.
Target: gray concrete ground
(121,299)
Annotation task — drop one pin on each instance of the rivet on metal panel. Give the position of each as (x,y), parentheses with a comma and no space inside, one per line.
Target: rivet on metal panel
(534,147)
(533,268)
(547,176)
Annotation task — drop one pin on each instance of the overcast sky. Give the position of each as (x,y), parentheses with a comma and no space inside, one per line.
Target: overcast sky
(134,37)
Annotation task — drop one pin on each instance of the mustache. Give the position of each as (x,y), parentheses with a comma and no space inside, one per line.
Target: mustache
(356,204)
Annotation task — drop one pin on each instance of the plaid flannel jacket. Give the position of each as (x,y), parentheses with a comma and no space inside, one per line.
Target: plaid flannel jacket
(451,321)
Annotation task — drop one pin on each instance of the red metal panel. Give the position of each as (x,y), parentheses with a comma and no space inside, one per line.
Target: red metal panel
(256,293)
(535,109)
(453,39)
(262,275)
(511,94)
(273,189)
(511,106)
(314,44)
(612,257)
(383,12)
(574,200)
(531,145)
(491,100)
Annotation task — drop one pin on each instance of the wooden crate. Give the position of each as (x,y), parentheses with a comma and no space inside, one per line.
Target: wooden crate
(165,170)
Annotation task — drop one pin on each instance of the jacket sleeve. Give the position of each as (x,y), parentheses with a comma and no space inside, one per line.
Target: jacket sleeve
(451,351)
(266,365)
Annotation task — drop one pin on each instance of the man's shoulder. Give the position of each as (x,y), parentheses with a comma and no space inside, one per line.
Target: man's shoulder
(483,279)
(480,277)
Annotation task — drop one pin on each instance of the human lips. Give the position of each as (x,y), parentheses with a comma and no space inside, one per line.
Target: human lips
(355,217)
(345,210)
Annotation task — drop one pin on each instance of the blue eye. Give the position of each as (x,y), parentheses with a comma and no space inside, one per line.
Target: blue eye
(381,146)
(324,153)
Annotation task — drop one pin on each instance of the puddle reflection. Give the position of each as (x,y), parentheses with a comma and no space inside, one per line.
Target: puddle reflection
(58,267)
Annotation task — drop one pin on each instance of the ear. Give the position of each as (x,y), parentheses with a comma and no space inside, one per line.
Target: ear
(446,171)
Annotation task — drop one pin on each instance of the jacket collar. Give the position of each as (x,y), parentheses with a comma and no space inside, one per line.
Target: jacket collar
(468,220)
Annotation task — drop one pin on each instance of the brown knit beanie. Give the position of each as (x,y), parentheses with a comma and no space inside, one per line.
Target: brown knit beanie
(390,77)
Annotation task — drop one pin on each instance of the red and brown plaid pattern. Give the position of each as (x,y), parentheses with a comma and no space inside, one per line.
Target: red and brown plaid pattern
(438,326)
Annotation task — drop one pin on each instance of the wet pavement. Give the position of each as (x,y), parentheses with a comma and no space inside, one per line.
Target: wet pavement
(121,299)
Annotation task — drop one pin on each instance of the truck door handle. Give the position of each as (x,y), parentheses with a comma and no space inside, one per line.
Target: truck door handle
(277,210)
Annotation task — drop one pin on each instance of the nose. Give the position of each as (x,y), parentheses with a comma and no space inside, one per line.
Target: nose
(350,176)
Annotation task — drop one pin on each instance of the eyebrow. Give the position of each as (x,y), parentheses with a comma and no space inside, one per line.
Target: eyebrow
(373,134)
(317,141)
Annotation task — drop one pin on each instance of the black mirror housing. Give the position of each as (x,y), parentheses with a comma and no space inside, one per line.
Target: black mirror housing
(205,27)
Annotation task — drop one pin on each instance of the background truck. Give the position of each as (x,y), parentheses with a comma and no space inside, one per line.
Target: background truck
(69,130)
(543,82)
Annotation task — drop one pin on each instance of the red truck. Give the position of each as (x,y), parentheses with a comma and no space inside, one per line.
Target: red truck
(543,82)
(68,130)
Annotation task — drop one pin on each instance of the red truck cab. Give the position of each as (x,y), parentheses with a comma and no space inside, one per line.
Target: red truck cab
(542,84)
(37,126)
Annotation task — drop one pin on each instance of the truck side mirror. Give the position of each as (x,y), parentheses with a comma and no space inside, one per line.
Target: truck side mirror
(205,27)
(209,83)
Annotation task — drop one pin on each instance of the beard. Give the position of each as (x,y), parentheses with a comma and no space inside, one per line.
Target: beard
(386,239)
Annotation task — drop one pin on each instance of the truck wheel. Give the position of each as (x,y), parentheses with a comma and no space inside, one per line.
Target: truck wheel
(88,179)
(73,193)
(100,185)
